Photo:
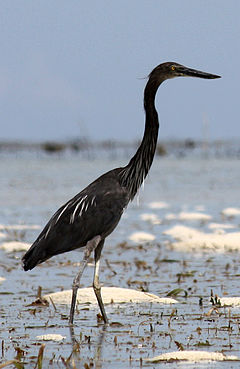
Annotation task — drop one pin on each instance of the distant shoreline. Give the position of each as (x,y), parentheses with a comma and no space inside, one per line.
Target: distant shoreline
(115,149)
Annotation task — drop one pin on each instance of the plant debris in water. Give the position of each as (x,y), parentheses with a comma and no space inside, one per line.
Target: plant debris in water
(136,331)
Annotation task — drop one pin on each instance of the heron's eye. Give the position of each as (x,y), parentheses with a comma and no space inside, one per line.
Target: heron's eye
(173,67)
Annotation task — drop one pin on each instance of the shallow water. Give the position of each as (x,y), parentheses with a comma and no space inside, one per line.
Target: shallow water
(32,188)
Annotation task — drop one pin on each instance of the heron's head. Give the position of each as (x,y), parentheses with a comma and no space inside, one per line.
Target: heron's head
(170,70)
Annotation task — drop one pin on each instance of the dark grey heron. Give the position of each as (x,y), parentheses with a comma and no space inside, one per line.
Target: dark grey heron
(89,217)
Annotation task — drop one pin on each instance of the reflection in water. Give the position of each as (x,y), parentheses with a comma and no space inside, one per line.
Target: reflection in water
(98,351)
(76,348)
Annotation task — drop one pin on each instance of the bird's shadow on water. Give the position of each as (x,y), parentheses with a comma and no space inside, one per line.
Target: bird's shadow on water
(75,356)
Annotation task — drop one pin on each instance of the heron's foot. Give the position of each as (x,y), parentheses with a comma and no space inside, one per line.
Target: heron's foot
(97,291)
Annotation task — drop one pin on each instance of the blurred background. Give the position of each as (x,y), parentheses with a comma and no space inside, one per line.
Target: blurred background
(74,71)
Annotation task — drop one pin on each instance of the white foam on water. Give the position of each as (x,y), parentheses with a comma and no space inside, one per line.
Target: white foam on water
(141,237)
(231,212)
(192,239)
(193,356)
(109,295)
(221,226)
(12,246)
(50,337)
(230,301)
(183,215)
(151,218)
(19,226)
(158,205)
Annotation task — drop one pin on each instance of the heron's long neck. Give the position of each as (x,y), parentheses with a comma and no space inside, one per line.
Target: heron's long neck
(133,175)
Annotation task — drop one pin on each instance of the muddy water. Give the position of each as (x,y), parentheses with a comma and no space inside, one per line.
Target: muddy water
(31,189)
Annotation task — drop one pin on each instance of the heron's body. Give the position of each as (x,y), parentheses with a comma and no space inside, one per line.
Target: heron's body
(94,211)
(89,217)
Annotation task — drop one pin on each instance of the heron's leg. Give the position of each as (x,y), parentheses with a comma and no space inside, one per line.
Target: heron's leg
(91,245)
(96,284)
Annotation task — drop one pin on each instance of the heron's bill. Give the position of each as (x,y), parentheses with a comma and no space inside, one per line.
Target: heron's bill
(188,72)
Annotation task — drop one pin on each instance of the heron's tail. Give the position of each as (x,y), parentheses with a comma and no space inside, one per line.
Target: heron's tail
(34,256)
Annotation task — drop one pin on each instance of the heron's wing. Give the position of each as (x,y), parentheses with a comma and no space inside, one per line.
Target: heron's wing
(94,211)
(84,217)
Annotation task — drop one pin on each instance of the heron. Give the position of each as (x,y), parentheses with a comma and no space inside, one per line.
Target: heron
(90,217)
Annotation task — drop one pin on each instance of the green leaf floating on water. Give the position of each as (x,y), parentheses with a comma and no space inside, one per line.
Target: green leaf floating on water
(177,292)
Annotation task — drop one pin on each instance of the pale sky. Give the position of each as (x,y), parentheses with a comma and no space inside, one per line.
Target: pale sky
(73,68)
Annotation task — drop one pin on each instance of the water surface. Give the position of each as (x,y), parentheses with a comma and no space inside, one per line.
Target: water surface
(33,187)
